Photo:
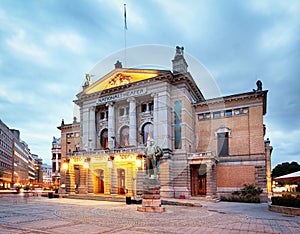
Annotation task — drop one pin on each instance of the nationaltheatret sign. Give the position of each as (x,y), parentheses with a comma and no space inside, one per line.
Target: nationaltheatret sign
(119,96)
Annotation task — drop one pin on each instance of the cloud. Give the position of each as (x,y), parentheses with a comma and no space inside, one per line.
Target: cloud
(21,44)
(71,41)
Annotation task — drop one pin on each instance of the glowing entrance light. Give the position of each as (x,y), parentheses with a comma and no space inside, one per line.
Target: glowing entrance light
(65,166)
(86,165)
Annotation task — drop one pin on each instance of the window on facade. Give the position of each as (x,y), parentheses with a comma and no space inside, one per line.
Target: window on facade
(124,137)
(151,106)
(217,114)
(177,123)
(102,115)
(144,107)
(122,111)
(228,113)
(147,132)
(104,139)
(223,144)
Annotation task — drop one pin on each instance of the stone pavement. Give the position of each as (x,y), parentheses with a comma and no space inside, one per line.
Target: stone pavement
(19,214)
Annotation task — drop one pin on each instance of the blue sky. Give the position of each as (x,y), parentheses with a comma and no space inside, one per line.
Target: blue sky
(46,47)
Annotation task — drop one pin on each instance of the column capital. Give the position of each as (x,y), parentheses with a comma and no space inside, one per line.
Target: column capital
(92,108)
(131,99)
(110,103)
(154,95)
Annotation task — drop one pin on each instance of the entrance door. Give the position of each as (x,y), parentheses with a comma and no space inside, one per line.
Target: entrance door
(121,181)
(100,180)
(198,179)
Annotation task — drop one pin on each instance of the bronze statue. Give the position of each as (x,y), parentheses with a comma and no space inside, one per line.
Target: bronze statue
(153,153)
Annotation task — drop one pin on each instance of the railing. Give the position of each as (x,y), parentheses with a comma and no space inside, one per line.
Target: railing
(138,150)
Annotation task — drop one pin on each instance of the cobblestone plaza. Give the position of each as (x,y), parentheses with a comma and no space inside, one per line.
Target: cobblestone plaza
(21,214)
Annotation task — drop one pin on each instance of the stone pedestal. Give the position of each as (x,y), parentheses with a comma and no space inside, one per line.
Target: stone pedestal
(151,197)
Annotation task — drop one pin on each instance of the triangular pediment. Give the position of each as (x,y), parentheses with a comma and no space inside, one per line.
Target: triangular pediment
(119,77)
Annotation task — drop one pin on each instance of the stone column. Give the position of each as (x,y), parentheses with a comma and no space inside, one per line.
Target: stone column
(70,180)
(90,180)
(56,164)
(111,125)
(210,180)
(132,122)
(85,128)
(113,180)
(92,129)
(82,189)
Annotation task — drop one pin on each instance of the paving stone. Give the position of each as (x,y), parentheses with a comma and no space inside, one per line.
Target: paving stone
(43,215)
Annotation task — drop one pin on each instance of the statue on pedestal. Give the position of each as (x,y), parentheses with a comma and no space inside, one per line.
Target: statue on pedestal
(153,153)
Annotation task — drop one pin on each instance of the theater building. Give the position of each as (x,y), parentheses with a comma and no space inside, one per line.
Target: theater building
(211,147)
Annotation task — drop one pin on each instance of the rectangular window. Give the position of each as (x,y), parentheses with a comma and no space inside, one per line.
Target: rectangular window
(217,114)
(177,123)
(228,113)
(223,144)
(102,115)
(121,111)
(144,107)
(151,106)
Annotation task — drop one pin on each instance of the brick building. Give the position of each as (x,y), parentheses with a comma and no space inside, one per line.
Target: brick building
(211,147)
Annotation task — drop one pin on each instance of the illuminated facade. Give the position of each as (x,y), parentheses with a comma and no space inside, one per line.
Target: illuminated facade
(206,143)
(6,156)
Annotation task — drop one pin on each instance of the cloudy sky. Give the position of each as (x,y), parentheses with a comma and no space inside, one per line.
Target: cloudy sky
(46,47)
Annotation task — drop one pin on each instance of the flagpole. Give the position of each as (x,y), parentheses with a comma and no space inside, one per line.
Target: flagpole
(125,29)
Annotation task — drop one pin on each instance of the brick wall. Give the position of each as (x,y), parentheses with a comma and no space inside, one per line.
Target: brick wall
(235,176)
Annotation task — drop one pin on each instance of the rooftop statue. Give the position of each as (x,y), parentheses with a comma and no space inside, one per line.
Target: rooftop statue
(179,50)
(153,153)
(88,81)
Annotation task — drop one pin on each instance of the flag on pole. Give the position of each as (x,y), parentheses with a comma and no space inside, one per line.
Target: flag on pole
(125,21)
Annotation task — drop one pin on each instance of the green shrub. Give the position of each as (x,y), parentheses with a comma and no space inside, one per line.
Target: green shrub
(286,201)
(249,194)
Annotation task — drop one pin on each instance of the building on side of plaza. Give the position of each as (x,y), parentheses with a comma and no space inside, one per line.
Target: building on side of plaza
(211,147)
(47,174)
(38,164)
(56,160)
(17,164)
(6,156)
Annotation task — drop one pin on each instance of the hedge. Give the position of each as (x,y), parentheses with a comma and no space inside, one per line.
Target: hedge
(286,201)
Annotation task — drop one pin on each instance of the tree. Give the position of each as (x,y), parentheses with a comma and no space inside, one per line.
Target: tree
(1,173)
(285,168)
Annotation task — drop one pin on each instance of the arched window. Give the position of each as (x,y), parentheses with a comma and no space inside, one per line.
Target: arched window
(124,136)
(147,132)
(104,139)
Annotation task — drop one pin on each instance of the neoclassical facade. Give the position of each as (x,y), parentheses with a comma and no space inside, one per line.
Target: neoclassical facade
(211,147)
